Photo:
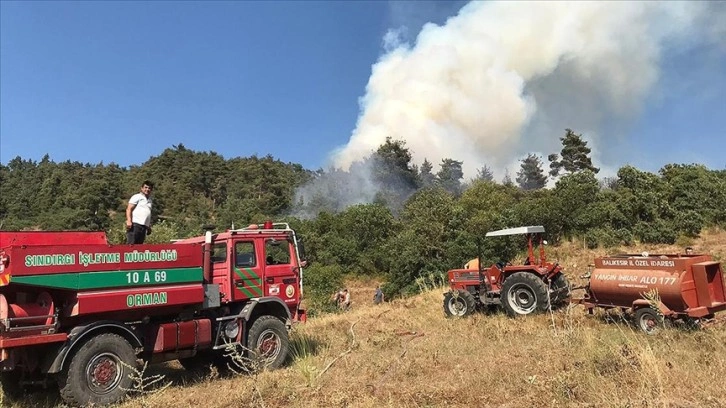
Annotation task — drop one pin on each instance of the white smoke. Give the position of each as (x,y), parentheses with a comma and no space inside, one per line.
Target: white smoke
(502,79)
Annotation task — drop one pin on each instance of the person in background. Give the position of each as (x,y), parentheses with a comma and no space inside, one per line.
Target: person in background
(337,297)
(138,215)
(345,300)
(689,251)
(378,296)
(473,264)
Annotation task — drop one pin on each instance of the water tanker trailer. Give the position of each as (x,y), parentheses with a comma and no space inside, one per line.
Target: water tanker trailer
(80,312)
(656,289)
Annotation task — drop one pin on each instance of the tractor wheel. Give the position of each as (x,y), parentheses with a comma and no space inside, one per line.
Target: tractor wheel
(648,320)
(524,293)
(12,390)
(459,304)
(268,342)
(99,372)
(560,290)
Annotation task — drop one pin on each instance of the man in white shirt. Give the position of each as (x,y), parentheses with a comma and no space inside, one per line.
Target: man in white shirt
(138,215)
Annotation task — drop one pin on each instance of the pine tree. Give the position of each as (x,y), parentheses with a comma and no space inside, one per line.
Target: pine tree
(450,175)
(507,179)
(531,176)
(427,177)
(575,156)
(393,165)
(485,174)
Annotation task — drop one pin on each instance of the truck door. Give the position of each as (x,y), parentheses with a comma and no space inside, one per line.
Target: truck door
(221,266)
(247,271)
(281,272)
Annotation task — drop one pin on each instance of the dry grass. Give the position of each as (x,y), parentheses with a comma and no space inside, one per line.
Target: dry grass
(406,354)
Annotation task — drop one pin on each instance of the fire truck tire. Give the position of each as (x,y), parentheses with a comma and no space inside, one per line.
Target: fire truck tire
(648,320)
(459,304)
(524,293)
(268,342)
(99,372)
(560,287)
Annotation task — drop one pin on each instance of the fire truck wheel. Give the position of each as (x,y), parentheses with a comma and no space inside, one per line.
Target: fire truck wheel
(99,371)
(648,320)
(268,342)
(459,304)
(524,293)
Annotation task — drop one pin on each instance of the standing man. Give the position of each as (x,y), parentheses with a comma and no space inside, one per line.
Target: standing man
(138,215)
(345,301)
(378,296)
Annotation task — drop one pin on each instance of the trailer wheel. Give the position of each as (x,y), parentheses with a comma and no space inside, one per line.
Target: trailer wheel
(648,320)
(524,293)
(268,342)
(99,371)
(460,304)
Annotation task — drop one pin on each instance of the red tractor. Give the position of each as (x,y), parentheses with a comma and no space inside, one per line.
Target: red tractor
(534,286)
(80,312)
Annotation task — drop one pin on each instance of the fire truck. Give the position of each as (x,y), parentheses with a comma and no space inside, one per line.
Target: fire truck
(85,314)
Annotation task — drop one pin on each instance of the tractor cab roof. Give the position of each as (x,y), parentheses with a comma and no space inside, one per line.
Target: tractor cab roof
(532,229)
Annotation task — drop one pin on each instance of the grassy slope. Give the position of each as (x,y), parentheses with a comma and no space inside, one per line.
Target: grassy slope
(405,353)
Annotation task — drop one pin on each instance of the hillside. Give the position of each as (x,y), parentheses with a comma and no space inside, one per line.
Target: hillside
(405,353)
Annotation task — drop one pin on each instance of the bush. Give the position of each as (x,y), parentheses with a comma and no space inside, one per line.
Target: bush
(656,232)
(320,283)
(689,223)
(625,236)
(604,237)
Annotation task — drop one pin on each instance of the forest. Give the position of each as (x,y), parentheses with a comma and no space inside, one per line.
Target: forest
(386,217)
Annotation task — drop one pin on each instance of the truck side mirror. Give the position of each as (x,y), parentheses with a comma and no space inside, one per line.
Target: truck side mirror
(301,250)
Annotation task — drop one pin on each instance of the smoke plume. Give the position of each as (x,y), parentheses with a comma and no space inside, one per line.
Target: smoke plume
(503,79)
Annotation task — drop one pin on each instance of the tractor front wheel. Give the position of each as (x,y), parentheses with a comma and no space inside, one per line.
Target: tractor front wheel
(459,303)
(524,293)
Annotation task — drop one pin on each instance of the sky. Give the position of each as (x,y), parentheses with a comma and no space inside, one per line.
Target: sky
(323,83)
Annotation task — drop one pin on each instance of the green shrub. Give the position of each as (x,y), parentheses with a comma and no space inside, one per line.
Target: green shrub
(656,232)
(602,237)
(320,283)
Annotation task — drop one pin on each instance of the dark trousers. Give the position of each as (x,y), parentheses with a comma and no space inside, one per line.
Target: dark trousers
(136,234)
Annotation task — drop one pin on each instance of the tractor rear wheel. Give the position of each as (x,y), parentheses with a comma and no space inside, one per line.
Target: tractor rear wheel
(459,303)
(524,293)
(560,290)
(648,320)
(12,390)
